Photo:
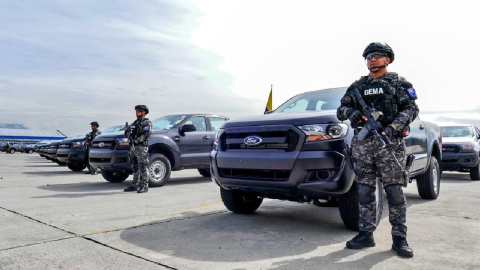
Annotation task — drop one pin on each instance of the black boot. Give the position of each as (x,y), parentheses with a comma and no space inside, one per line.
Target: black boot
(142,190)
(363,239)
(130,188)
(400,245)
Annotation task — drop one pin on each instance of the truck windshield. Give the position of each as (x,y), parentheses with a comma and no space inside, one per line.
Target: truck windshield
(167,122)
(113,129)
(453,131)
(321,100)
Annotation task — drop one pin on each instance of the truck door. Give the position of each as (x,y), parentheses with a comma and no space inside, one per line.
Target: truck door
(195,147)
(416,144)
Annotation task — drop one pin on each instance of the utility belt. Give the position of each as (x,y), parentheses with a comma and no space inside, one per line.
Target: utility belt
(144,143)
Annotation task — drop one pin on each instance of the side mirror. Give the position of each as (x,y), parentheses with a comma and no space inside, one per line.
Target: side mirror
(478,136)
(188,128)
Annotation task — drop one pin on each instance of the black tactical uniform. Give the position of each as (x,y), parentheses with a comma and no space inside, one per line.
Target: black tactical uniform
(395,97)
(88,145)
(139,133)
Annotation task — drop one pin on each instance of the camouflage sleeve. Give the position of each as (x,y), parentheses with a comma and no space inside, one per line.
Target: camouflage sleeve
(346,103)
(144,130)
(407,109)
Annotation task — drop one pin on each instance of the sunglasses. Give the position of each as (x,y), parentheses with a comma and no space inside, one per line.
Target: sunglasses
(376,55)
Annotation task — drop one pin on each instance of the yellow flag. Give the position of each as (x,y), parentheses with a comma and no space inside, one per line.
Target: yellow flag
(269,102)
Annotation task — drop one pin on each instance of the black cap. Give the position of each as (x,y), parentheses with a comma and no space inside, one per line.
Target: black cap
(379,46)
(142,108)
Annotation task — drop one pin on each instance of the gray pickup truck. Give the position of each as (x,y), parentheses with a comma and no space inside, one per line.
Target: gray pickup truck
(72,150)
(296,153)
(461,149)
(177,142)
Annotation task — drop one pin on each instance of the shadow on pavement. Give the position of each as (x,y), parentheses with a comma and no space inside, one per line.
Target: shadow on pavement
(332,261)
(53,173)
(276,230)
(461,178)
(187,180)
(84,187)
(79,195)
(44,165)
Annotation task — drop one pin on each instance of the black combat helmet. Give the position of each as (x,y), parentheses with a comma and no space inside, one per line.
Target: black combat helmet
(142,108)
(94,124)
(379,46)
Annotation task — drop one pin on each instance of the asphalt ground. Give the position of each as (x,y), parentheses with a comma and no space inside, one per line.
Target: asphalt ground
(53,218)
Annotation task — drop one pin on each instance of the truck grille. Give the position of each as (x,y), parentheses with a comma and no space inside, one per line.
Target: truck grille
(104,144)
(247,174)
(451,149)
(282,138)
(64,145)
(100,160)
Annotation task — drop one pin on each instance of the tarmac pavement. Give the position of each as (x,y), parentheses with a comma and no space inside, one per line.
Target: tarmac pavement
(51,217)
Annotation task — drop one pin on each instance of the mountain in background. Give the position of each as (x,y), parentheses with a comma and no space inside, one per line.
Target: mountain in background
(13,126)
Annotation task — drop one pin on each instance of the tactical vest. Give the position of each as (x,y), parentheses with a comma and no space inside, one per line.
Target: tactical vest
(381,95)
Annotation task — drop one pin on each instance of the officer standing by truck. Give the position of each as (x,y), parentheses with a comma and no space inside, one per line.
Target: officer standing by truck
(139,133)
(395,97)
(88,145)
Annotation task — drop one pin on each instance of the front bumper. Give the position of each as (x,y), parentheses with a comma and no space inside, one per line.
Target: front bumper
(110,160)
(456,161)
(288,174)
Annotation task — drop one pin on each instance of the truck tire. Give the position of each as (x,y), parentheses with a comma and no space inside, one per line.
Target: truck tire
(76,167)
(12,151)
(428,184)
(30,151)
(204,172)
(114,177)
(348,206)
(240,202)
(475,172)
(159,169)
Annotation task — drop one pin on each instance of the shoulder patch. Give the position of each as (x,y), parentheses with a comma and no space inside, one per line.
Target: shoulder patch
(412,92)
(146,128)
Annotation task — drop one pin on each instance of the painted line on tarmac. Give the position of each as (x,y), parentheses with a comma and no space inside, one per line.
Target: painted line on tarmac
(128,253)
(39,243)
(36,220)
(74,236)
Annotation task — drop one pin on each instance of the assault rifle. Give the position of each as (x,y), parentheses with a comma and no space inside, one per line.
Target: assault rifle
(128,131)
(372,125)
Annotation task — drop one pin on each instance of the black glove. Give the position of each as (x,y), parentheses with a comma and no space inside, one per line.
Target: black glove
(355,116)
(388,132)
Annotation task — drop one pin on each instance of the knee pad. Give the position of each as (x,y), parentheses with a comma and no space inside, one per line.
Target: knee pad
(366,194)
(395,194)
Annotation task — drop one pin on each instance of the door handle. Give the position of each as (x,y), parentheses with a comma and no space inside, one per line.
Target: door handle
(206,137)
(176,138)
(421,127)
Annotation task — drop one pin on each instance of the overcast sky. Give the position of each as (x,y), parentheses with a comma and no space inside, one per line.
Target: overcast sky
(64,64)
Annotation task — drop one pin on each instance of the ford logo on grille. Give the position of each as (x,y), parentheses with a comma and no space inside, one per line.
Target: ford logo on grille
(101,144)
(252,140)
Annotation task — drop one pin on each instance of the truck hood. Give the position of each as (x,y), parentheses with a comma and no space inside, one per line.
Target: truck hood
(296,119)
(458,140)
(121,134)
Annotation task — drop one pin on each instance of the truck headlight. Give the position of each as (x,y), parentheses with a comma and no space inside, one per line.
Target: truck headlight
(77,144)
(218,134)
(467,147)
(320,132)
(123,143)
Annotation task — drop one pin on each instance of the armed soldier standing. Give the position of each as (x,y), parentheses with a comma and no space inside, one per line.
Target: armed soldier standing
(88,145)
(395,97)
(139,133)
